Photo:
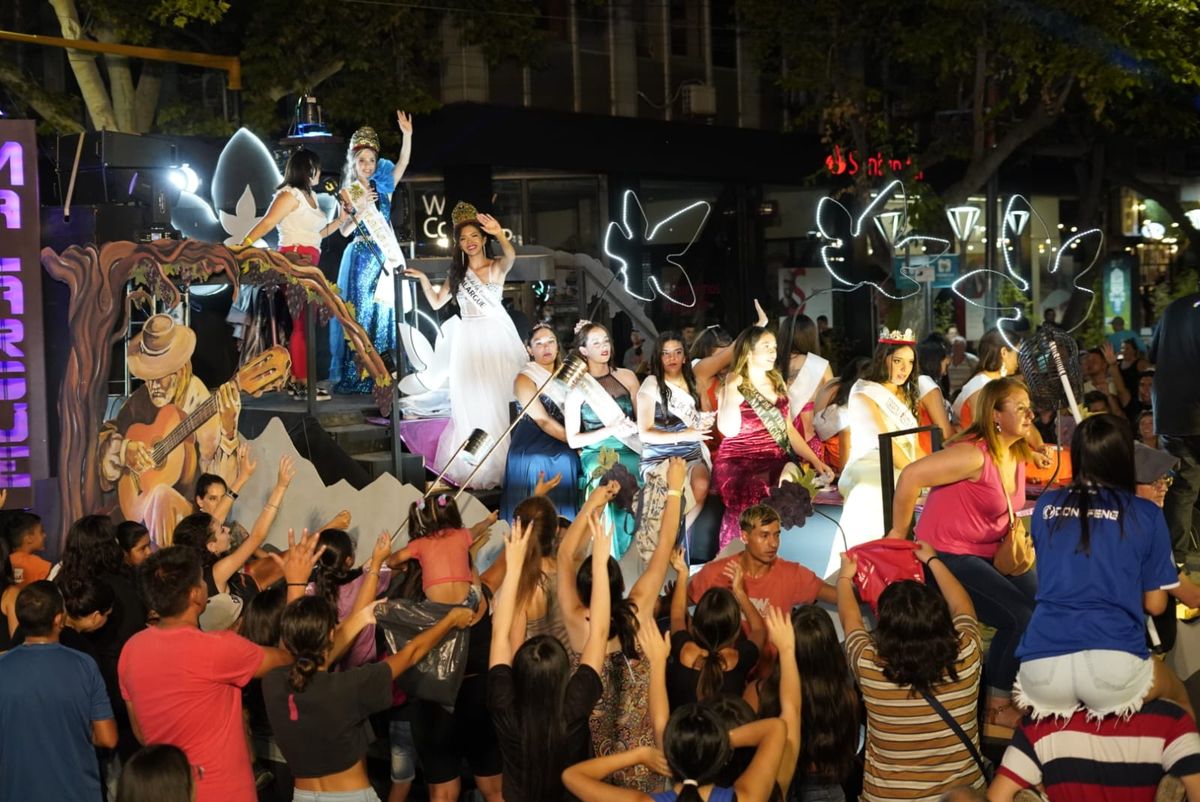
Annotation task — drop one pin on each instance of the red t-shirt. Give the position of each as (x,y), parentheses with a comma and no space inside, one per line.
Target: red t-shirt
(785,585)
(28,568)
(185,689)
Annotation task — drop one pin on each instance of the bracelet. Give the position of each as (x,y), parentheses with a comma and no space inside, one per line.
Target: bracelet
(230,492)
(675,493)
(297,584)
(271,507)
(934,557)
(847,578)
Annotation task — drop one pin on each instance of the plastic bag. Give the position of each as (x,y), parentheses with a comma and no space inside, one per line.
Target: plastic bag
(882,562)
(437,677)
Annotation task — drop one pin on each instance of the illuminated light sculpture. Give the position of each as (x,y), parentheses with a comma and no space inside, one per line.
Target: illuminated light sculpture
(891,224)
(626,231)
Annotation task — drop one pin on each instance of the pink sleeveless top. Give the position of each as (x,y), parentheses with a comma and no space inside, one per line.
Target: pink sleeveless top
(970,517)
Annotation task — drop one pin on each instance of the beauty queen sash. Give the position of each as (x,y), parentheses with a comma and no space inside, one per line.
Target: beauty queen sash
(683,406)
(805,385)
(772,419)
(896,415)
(538,374)
(378,230)
(973,385)
(474,289)
(605,407)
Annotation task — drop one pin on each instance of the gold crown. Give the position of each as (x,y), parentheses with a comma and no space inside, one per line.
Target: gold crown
(364,137)
(897,337)
(464,213)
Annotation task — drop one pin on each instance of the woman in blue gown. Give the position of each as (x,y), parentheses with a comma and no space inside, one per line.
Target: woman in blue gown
(362,262)
(599,422)
(539,443)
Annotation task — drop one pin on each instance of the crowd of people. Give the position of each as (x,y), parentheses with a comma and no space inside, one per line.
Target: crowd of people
(215,668)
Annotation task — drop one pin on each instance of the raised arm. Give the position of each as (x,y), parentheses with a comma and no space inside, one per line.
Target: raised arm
(650,583)
(720,359)
(586,782)
(600,609)
(246,468)
(679,596)
(656,647)
(509,254)
(297,564)
(525,391)
(954,464)
(571,552)
(436,297)
(952,590)
(369,587)
(505,601)
(406,129)
(849,612)
(231,564)
(783,637)
(768,736)
(737,585)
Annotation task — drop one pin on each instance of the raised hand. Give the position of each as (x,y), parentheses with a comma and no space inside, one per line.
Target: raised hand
(780,631)
(544,485)
(849,566)
(405,122)
(656,646)
(287,471)
(490,225)
(737,579)
(383,547)
(246,466)
(762,320)
(300,558)
(679,561)
(516,544)
(602,535)
(603,494)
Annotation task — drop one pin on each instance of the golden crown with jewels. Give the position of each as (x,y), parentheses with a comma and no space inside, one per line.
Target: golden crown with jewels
(364,137)
(897,337)
(464,212)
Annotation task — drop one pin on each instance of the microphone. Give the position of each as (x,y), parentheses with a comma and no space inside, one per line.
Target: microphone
(371,183)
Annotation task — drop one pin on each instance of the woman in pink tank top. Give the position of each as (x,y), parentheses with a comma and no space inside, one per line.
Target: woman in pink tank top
(966,516)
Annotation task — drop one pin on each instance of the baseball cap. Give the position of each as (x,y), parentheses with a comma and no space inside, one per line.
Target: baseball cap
(1151,463)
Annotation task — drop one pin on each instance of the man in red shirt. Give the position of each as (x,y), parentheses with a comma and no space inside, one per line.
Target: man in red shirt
(183,686)
(768,579)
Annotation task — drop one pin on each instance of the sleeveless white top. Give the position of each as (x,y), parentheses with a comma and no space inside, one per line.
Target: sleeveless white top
(303,225)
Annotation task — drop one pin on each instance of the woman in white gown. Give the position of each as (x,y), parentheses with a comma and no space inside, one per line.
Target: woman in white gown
(486,353)
(883,400)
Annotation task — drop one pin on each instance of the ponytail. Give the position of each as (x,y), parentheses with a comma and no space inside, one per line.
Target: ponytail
(302,671)
(689,792)
(623,623)
(625,626)
(712,675)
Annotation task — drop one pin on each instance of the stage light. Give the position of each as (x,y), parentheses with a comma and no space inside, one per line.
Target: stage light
(308,120)
(184,178)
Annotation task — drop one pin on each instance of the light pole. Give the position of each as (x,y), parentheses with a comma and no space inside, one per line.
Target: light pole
(962,223)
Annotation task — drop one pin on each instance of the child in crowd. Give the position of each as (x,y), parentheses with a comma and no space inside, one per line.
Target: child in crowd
(26,537)
(157,773)
(134,539)
(440,543)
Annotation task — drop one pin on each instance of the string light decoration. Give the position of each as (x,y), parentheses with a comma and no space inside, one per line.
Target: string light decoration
(892,225)
(1013,226)
(630,199)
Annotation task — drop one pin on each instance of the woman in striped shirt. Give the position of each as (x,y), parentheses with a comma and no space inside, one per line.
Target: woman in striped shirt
(926,646)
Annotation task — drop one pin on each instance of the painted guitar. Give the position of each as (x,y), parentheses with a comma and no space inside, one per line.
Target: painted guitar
(172,429)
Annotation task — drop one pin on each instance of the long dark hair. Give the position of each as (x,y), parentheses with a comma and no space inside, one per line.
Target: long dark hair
(880,371)
(852,372)
(541,669)
(92,548)
(696,745)
(543,325)
(156,773)
(991,349)
(428,516)
(715,625)
(829,715)
(333,569)
(299,170)
(915,637)
(458,258)
(305,629)
(659,374)
(931,354)
(797,336)
(708,341)
(1102,463)
(540,513)
(624,626)
(195,531)
(263,614)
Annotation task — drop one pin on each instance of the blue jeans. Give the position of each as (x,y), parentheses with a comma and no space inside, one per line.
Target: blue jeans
(1002,602)
(365,795)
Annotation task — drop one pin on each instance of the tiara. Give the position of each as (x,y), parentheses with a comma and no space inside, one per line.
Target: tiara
(464,213)
(364,137)
(897,337)
(579,326)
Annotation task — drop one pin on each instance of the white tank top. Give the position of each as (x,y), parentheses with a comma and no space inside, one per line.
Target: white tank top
(303,226)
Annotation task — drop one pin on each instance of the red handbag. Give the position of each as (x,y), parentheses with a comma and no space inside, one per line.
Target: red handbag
(882,562)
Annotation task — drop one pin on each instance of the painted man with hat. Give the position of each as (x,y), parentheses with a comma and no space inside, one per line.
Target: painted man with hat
(161,356)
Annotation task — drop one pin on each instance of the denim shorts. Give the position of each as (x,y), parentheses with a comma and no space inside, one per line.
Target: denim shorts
(404,753)
(1101,681)
(365,795)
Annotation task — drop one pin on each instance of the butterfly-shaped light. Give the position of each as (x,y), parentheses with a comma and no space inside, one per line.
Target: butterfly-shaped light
(630,204)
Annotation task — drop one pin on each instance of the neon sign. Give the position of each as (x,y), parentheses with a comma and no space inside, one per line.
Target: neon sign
(22,381)
(625,229)
(849,162)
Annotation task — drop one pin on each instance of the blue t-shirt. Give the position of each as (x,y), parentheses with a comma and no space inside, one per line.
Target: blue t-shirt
(1118,338)
(1094,600)
(49,697)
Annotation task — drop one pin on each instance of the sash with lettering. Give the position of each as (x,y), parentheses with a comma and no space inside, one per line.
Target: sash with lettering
(378,230)
(473,288)
(896,415)
(605,406)
(772,419)
(683,406)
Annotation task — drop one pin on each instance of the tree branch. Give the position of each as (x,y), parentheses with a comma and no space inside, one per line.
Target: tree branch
(317,78)
(83,65)
(29,92)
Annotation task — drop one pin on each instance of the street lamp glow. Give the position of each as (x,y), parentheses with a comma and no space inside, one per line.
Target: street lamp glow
(962,220)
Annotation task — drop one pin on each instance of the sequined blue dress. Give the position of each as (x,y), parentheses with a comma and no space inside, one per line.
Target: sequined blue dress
(359,273)
(533,452)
